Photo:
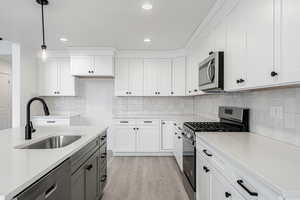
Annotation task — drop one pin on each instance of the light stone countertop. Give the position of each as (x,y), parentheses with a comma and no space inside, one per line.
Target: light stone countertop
(273,162)
(20,168)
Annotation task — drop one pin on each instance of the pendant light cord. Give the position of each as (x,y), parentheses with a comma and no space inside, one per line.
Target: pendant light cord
(43,23)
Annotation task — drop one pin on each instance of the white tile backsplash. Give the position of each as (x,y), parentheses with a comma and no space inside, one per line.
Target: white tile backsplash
(274,113)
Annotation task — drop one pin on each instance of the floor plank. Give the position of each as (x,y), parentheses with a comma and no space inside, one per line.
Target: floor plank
(144,178)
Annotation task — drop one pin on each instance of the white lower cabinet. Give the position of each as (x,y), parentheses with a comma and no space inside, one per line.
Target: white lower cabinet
(218,179)
(136,136)
(178,146)
(203,179)
(166,133)
(221,189)
(147,139)
(124,139)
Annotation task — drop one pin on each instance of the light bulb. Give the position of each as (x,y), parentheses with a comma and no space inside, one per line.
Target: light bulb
(44,54)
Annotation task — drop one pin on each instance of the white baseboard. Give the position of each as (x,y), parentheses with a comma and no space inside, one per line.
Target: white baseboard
(143,154)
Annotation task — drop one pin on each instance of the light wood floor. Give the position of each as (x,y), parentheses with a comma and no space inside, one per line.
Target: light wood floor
(144,178)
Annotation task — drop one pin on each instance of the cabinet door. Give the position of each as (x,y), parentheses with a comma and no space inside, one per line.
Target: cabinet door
(48,78)
(189,87)
(290,21)
(78,185)
(167,132)
(124,139)
(147,139)
(150,77)
(103,66)
(178,76)
(81,65)
(221,189)
(259,24)
(91,178)
(122,77)
(136,77)
(235,51)
(66,82)
(164,77)
(203,179)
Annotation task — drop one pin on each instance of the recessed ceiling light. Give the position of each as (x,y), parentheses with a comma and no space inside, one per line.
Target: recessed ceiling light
(64,39)
(147,6)
(148,40)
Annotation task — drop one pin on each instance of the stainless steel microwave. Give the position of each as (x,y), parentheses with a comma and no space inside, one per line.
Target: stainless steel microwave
(211,72)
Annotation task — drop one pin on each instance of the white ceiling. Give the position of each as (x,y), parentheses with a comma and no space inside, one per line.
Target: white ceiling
(115,23)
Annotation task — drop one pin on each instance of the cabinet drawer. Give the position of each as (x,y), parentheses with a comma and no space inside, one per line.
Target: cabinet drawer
(82,155)
(147,122)
(51,122)
(124,122)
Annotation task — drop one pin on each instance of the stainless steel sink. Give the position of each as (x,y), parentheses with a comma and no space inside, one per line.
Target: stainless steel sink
(53,142)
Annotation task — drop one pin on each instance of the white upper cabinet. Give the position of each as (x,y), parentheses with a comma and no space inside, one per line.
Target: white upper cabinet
(235,65)
(103,66)
(122,77)
(92,65)
(157,77)
(288,66)
(129,77)
(55,78)
(136,77)
(259,27)
(178,76)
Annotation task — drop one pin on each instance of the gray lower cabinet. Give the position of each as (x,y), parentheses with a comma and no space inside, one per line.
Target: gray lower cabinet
(53,186)
(91,180)
(85,176)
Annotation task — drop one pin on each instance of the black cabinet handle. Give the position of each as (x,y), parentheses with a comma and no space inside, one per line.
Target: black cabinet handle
(227,194)
(103,155)
(175,133)
(273,74)
(190,91)
(179,137)
(127,92)
(158,92)
(89,167)
(242,80)
(124,122)
(103,178)
(237,81)
(103,138)
(50,190)
(172,92)
(195,90)
(206,153)
(241,183)
(133,128)
(206,169)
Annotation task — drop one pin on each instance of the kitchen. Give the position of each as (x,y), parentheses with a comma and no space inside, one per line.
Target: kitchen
(202,105)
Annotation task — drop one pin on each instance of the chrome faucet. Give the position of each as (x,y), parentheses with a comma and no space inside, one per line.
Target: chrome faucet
(29,127)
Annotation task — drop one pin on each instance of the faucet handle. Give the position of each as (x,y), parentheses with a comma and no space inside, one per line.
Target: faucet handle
(32,129)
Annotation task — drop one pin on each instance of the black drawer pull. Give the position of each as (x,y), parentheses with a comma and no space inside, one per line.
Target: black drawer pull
(89,167)
(103,179)
(103,155)
(205,169)
(51,122)
(179,137)
(175,133)
(227,194)
(241,183)
(50,191)
(206,153)
(124,122)
(149,122)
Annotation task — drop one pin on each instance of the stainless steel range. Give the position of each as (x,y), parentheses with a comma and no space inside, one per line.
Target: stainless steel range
(232,119)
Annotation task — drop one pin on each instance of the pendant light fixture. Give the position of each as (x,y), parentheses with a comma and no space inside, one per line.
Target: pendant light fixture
(43,46)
